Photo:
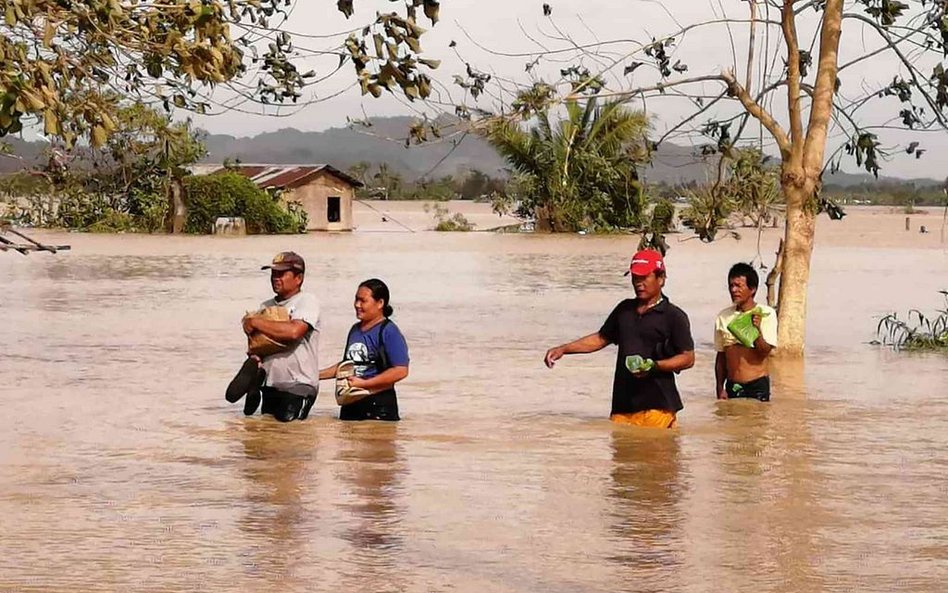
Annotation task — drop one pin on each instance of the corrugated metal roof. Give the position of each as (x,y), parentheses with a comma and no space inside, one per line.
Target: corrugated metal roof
(293,177)
(287,176)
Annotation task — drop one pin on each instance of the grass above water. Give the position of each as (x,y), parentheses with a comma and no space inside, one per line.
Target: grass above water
(917,332)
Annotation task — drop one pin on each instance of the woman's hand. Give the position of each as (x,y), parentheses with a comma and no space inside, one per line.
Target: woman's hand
(356,382)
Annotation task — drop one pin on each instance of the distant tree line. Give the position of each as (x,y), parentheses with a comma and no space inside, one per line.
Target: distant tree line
(382,182)
(138,181)
(889,193)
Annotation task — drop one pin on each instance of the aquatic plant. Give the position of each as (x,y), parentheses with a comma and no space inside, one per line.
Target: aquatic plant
(917,331)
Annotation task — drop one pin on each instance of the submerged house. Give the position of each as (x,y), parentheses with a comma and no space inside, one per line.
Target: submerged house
(326,193)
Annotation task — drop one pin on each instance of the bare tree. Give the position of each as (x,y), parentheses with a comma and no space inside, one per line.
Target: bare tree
(793,89)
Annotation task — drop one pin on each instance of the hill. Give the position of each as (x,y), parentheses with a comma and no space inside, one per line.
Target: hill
(384,142)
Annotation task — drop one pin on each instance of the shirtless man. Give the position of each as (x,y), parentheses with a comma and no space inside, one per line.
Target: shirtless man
(740,371)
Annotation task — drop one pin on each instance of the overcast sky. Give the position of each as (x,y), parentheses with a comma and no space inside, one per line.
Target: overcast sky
(519,27)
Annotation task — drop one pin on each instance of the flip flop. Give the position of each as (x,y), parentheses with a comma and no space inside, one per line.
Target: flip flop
(243,381)
(345,393)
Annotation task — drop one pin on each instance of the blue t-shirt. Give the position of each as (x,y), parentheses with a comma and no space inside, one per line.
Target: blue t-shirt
(363,349)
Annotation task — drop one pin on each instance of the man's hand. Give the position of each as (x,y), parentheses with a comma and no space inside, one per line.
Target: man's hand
(755,319)
(722,394)
(248,326)
(552,355)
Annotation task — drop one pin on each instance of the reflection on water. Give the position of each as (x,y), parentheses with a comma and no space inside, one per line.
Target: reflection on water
(370,469)
(275,471)
(123,469)
(647,494)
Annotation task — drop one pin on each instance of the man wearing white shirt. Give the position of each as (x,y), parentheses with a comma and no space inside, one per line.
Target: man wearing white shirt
(292,376)
(742,371)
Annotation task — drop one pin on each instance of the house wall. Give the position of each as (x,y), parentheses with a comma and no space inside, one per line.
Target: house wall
(314,196)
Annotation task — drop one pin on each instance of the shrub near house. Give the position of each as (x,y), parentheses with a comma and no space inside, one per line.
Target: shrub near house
(231,194)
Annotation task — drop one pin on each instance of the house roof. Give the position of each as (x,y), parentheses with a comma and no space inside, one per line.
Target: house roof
(286,176)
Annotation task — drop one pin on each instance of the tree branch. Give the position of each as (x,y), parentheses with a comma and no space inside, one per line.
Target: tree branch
(913,71)
(750,44)
(754,108)
(658,87)
(821,107)
(788,20)
(690,118)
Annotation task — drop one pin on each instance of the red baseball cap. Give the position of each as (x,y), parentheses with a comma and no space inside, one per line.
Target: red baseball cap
(645,262)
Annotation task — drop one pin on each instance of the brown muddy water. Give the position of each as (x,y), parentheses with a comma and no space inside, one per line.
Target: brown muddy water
(122,468)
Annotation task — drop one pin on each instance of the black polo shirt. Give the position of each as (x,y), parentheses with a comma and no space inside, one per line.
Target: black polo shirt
(662,332)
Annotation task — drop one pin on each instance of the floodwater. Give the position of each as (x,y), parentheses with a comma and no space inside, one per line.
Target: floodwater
(122,468)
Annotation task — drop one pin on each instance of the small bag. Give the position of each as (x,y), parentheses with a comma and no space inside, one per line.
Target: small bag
(742,327)
(260,344)
(637,364)
(345,393)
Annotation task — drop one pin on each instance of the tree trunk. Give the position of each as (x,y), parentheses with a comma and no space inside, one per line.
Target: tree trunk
(795,273)
(178,211)
(773,276)
(543,219)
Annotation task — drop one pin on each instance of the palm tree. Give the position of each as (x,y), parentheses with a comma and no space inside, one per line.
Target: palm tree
(579,173)
(389,181)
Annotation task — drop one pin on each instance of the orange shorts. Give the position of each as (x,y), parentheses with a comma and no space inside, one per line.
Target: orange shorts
(647,418)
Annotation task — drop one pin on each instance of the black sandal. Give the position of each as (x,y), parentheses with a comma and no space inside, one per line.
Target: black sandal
(244,381)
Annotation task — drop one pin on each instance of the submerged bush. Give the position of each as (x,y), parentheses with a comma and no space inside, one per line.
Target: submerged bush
(445,222)
(231,194)
(114,221)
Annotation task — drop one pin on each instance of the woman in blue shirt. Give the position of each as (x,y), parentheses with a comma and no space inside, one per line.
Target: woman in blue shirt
(380,353)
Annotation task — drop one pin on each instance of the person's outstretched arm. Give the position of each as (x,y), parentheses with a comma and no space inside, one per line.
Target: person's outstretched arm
(585,345)
(328,372)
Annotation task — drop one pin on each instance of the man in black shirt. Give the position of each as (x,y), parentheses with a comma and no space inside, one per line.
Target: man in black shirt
(648,326)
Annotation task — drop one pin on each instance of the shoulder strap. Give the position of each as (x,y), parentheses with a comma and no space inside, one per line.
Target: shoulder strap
(383,357)
(345,349)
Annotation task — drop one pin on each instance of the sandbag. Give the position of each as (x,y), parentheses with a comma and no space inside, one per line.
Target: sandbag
(260,344)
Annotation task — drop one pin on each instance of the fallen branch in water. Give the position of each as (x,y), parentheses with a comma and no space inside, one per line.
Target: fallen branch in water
(25,248)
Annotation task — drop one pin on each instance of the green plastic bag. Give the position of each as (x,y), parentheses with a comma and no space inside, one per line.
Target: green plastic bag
(742,327)
(637,364)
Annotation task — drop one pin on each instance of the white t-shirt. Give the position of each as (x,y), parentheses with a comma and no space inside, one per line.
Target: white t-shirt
(724,338)
(296,370)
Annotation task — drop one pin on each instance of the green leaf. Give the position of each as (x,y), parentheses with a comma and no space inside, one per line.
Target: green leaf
(50,123)
(345,7)
(48,32)
(99,136)
(379,45)
(35,103)
(432,8)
